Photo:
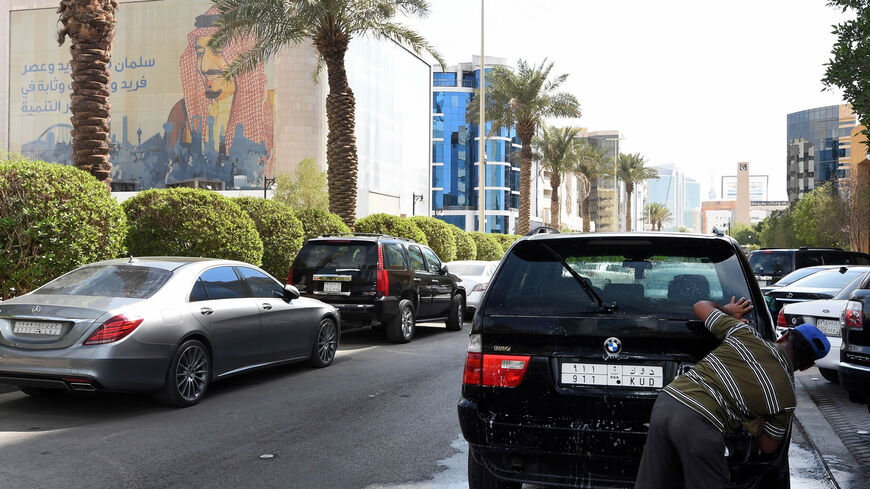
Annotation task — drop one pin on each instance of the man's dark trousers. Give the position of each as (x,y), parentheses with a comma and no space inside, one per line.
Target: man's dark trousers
(682,444)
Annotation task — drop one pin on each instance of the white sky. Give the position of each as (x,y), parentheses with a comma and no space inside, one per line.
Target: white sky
(698,83)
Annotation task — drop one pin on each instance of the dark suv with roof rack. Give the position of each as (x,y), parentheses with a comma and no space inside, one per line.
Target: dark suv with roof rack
(563,368)
(771,264)
(379,280)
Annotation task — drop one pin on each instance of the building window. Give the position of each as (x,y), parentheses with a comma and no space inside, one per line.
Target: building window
(444,79)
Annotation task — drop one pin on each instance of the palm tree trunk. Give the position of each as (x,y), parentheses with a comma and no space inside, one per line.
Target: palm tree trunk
(587,226)
(525,131)
(555,209)
(629,188)
(341,153)
(90,25)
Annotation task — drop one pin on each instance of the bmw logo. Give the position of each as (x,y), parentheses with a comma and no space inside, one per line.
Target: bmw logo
(36,309)
(612,346)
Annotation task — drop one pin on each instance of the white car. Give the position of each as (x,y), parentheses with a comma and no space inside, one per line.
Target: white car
(825,315)
(475,275)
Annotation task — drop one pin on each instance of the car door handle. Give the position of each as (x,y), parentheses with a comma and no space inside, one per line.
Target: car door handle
(267,306)
(417,280)
(206,311)
(434,281)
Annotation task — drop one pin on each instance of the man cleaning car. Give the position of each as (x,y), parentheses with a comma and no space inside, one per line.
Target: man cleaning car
(746,381)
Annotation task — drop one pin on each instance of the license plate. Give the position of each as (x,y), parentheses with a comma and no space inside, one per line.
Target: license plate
(332,286)
(644,376)
(37,327)
(830,327)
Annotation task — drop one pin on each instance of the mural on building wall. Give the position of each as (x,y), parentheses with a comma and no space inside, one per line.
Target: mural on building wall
(174,116)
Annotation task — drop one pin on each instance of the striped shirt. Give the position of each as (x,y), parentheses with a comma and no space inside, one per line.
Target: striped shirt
(745,378)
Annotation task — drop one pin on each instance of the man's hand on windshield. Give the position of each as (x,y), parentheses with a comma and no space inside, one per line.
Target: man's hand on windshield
(737,308)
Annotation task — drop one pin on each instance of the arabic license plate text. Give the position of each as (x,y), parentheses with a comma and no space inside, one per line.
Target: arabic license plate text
(830,327)
(37,327)
(639,376)
(332,286)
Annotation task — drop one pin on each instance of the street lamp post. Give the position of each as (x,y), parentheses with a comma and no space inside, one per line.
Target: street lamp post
(414,199)
(482,133)
(267,182)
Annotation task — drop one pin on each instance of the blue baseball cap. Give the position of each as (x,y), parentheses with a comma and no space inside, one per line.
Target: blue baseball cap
(816,339)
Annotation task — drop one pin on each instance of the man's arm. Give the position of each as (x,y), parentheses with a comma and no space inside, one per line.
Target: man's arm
(736,309)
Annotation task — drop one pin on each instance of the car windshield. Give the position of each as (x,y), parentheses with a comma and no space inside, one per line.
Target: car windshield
(846,291)
(796,275)
(770,262)
(467,269)
(338,254)
(644,277)
(128,281)
(829,279)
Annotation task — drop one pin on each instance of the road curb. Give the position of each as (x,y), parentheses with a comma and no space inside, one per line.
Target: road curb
(833,455)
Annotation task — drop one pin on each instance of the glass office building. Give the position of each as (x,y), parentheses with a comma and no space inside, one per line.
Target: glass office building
(818,148)
(679,193)
(455,156)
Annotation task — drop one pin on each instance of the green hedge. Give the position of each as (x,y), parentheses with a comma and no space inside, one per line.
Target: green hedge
(190,222)
(53,218)
(488,248)
(279,229)
(439,236)
(391,225)
(317,222)
(466,249)
(505,240)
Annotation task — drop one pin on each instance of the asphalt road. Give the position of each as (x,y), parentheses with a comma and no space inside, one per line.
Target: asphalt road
(382,414)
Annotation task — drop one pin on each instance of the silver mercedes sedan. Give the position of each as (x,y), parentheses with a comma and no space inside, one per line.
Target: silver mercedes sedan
(166,325)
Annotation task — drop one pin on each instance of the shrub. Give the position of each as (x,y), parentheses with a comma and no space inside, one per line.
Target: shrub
(279,229)
(190,222)
(317,222)
(466,249)
(392,225)
(488,247)
(53,218)
(439,236)
(505,240)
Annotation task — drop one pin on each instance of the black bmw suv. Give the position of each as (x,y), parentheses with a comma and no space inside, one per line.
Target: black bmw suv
(563,369)
(379,280)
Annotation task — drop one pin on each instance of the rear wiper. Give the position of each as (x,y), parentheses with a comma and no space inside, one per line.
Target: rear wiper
(580,280)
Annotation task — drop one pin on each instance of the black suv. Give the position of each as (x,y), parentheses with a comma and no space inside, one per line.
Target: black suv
(563,369)
(771,264)
(854,369)
(375,280)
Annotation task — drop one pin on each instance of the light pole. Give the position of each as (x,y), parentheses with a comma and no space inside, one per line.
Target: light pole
(481,196)
(267,182)
(414,199)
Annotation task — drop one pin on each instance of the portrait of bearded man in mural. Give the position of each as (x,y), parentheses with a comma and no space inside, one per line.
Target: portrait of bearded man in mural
(215,111)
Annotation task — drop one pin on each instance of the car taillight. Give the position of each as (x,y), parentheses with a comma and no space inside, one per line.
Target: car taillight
(290,277)
(479,287)
(493,370)
(383,280)
(113,330)
(780,320)
(853,315)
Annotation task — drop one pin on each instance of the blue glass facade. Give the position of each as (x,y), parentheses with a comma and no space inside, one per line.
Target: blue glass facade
(455,150)
(815,149)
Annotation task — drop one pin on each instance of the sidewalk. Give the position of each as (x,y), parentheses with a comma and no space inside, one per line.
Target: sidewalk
(831,424)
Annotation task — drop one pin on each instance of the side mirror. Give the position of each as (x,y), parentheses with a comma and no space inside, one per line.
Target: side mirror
(444,269)
(290,293)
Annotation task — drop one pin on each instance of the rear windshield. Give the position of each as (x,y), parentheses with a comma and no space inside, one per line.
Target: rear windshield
(829,279)
(343,254)
(797,275)
(644,277)
(129,281)
(846,291)
(771,262)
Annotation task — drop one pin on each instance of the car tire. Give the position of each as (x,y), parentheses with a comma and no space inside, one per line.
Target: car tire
(325,344)
(830,375)
(41,392)
(479,477)
(401,328)
(456,316)
(188,377)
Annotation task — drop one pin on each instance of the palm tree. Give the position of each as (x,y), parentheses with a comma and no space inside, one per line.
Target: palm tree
(657,215)
(630,170)
(90,26)
(329,25)
(592,163)
(556,149)
(523,98)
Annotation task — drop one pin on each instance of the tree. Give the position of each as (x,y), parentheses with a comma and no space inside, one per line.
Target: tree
(556,149)
(308,189)
(592,163)
(745,235)
(849,66)
(90,26)
(630,169)
(858,212)
(657,214)
(777,229)
(820,218)
(330,26)
(523,98)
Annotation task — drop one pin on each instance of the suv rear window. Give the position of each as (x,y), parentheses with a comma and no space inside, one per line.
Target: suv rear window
(771,262)
(338,254)
(643,277)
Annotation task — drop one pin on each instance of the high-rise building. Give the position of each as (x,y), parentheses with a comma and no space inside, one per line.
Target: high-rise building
(455,151)
(758,186)
(679,193)
(818,148)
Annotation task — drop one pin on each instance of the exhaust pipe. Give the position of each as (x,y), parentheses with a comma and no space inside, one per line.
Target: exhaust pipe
(82,386)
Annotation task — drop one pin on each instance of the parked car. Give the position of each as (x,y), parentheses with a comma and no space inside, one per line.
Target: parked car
(561,375)
(824,314)
(475,275)
(795,276)
(854,368)
(820,285)
(379,280)
(771,264)
(167,325)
